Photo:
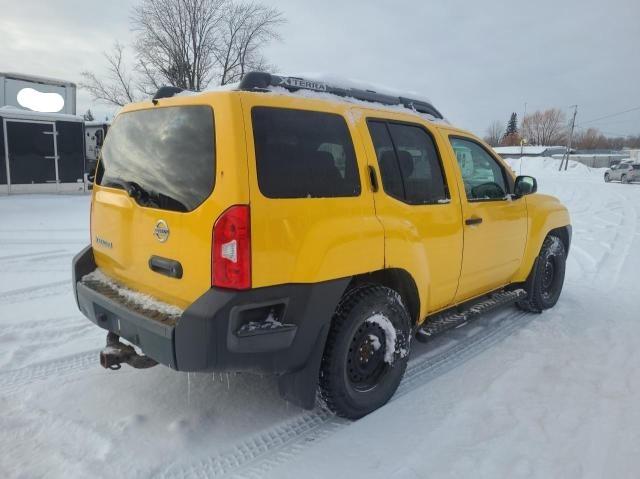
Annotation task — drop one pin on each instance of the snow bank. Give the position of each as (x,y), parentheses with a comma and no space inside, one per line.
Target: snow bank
(545,166)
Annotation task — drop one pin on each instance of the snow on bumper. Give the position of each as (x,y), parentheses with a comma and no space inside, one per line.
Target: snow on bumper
(213,333)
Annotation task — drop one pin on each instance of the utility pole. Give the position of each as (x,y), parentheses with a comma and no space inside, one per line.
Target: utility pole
(568,152)
(523,140)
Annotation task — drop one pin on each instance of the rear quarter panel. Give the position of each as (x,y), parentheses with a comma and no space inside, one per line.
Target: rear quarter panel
(308,240)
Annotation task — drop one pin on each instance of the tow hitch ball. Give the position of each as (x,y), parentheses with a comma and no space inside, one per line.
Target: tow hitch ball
(116,353)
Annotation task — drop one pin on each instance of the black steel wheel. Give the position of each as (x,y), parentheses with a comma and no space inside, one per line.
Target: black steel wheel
(545,284)
(366,352)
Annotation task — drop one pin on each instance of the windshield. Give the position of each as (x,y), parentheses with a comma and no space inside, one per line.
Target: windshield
(163,157)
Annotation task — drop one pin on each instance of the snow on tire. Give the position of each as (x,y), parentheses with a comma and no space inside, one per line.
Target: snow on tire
(546,284)
(366,352)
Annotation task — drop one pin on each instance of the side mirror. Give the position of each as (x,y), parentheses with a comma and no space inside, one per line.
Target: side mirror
(525,185)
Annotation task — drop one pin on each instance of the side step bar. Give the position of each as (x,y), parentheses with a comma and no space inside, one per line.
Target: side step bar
(458,316)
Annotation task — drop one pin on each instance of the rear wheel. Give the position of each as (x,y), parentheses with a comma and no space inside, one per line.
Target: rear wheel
(366,353)
(624,179)
(607,178)
(546,284)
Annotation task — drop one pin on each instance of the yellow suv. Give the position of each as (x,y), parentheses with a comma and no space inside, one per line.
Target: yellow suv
(306,230)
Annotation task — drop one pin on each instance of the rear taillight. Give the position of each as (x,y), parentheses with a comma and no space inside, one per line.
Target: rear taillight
(231,249)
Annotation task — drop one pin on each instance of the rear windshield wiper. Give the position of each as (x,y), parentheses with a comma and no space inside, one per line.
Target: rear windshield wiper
(134,190)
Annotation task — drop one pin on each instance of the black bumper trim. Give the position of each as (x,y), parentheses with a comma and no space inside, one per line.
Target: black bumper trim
(209,336)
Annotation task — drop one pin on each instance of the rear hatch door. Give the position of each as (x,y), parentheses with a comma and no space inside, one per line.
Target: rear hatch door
(151,217)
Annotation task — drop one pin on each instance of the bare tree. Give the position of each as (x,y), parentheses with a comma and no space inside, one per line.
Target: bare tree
(117,86)
(176,39)
(590,139)
(545,128)
(246,27)
(495,133)
(188,44)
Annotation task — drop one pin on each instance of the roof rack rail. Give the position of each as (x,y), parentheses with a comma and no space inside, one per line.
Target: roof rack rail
(261,81)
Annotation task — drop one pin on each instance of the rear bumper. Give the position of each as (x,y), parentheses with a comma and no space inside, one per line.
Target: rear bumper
(222,329)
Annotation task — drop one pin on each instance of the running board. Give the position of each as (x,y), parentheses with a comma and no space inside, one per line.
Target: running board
(458,316)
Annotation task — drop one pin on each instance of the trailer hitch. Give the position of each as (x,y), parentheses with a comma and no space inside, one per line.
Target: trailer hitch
(116,353)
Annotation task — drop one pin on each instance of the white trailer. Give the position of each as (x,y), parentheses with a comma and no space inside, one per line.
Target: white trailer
(35,93)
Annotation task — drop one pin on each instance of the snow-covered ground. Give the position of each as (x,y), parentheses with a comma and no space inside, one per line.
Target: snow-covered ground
(509,395)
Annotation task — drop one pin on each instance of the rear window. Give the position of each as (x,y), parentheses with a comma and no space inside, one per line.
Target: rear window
(303,154)
(409,163)
(165,156)
(636,167)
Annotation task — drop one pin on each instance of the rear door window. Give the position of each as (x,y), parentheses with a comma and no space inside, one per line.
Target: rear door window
(303,154)
(409,163)
(166,155)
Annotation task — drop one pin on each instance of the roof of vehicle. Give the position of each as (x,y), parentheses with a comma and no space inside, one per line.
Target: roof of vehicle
(19,113)
(338,91)
(36,79)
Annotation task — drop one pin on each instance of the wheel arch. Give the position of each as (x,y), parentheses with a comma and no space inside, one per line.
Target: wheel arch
(564,233)
(398,279)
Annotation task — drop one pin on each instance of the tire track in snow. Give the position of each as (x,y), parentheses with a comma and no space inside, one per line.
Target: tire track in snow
(257,455)
(29,256)
(15,379)
(35,292)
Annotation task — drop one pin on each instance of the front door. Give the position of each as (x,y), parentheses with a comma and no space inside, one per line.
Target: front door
(495,224)
(31,151)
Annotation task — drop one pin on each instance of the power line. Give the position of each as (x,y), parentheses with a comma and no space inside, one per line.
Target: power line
(612,115)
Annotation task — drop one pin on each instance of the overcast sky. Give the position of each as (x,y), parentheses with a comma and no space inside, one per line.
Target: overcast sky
(477,60)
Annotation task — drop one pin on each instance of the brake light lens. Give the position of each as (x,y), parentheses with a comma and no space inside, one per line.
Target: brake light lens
(231,249)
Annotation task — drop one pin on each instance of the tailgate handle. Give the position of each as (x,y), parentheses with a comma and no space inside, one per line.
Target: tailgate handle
(168,267)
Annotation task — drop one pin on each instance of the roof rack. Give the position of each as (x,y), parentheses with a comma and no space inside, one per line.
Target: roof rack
(260,81)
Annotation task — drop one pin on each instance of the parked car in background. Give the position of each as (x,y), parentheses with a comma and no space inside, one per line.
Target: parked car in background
(624,172)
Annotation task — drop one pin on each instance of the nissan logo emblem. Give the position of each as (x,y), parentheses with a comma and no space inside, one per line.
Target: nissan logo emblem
(161,231)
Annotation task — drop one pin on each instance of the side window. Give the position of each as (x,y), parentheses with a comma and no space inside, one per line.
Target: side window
(409,163)
(303,154)
(482,175)
(387,160)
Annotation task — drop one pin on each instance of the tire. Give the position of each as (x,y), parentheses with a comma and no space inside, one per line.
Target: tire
(607,178)
(624,180)
(359,371)
(545,286)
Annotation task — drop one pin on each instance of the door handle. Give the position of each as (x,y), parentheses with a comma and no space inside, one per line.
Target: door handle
(473,221)
(373,178)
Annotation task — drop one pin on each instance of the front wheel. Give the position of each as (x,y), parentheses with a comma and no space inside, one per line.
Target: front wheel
(546,284)
(366,352)
(607,178)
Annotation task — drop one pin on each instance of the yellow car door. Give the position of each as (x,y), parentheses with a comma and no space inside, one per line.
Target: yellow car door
(495,223)
(418,205)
